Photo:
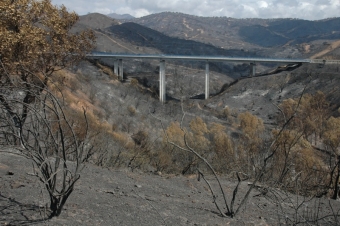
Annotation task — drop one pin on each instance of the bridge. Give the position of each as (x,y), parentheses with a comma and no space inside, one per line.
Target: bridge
(118,64)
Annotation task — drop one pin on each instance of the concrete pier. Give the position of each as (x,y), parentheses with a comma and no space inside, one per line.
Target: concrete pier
(162,88)
(115,67)
(120,69)
(252,69)
(207,94)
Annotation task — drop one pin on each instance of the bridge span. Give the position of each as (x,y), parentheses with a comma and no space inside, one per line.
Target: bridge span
(118,64)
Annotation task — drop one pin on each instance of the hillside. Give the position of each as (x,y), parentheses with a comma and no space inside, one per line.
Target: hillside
(256,95)
(97,21)
(146,37)
(219,31)
(141,195)
(137,177)
(241,33)
(119,197)
(176,33)
(120,16)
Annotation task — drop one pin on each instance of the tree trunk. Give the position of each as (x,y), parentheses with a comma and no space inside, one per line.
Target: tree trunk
(336,183)
(57,204)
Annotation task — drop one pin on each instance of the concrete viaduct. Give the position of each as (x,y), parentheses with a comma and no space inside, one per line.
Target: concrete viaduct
(118,64)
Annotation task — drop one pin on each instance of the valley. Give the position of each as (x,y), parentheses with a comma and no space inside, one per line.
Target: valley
(273,139)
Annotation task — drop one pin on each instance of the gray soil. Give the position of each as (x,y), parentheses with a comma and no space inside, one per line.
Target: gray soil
(121,197)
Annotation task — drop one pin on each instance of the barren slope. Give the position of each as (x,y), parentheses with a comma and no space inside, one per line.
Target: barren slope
(120,197)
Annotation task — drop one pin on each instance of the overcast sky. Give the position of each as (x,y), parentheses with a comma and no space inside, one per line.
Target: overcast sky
(304,9)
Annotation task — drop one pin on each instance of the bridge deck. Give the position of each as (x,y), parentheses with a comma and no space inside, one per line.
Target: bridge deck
(201,58)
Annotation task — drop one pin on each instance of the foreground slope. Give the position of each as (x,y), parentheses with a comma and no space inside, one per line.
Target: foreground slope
(119,197)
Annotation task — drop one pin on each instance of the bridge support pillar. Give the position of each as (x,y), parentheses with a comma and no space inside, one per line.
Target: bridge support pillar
(115,67)
(207,94)
(120,70)
(162,89)
(252,69)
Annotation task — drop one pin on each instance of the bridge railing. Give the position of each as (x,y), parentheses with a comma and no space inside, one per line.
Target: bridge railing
(324,61)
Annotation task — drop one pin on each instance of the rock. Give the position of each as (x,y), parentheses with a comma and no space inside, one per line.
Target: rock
(159,173)
(149,198)
(3,166)
(16,185)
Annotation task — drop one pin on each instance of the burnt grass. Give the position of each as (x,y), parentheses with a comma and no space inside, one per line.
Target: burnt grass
(118,196)
(105,196)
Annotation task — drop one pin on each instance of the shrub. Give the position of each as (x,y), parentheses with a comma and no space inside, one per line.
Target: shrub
(131,110)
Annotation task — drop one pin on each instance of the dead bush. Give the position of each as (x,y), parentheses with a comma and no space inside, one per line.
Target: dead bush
(134,82)
(107,70)
(131,110)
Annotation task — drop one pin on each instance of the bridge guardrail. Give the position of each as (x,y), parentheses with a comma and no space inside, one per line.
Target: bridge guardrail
(324,61)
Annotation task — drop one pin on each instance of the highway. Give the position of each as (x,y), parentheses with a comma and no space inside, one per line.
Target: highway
(202,58)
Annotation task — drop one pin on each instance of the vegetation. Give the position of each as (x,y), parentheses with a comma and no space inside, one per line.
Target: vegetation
(291,162)
(36,42)
(40,119)
(304,147)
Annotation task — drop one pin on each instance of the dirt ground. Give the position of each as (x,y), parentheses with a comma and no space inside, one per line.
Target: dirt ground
(121,197)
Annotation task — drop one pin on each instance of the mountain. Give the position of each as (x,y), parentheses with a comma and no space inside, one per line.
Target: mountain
(176,33)
(120,16)
(143,36)
(241,33)
(131,37)
(295,31)
(222,32)
(96,21)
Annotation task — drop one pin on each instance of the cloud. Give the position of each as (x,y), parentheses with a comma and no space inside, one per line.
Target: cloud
(262,4)
(304,9)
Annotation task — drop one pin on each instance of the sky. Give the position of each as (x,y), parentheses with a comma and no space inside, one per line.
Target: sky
(302,9)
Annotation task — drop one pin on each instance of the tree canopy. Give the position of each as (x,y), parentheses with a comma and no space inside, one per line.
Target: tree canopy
(35,41)
(35,37)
